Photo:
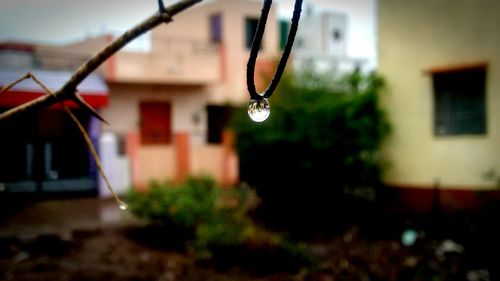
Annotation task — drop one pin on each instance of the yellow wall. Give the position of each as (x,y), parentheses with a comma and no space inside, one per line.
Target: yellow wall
(182,62)
(415,36)
(157,163)
(187,101)
(207,160)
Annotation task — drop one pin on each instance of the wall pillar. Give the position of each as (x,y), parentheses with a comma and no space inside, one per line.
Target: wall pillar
(230,173)
(182,150)
(132,149)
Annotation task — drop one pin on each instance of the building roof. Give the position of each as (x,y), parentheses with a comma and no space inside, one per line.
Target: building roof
(53,79)
(17,46)
(93,88)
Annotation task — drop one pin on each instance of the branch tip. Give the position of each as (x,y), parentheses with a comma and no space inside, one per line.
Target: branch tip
(67,91)
(88,108)
(28,75)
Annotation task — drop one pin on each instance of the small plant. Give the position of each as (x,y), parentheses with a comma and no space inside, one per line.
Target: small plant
(184,205)
(217,224)
(216,216)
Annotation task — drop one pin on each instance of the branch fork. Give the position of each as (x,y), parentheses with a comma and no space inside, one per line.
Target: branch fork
(69,90)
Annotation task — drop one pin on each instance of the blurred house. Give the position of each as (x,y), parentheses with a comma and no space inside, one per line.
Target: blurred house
(168,105)
(440,60)
(43,151)
(334,35)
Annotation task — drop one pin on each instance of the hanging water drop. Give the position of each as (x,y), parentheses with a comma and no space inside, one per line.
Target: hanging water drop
(123,206)
(259,110)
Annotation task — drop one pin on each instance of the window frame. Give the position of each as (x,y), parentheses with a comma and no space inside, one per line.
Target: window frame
(216,28)
(455,86)
(248,38)
(218,117)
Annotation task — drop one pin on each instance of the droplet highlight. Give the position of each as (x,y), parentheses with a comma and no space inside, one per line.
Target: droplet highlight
(123,206)
(259,110)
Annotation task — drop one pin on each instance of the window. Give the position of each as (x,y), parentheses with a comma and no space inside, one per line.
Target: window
(284,30)
(459,102)
(49,147)
(336,35)
(122,144)
(216,28)
(218,117)
(155,122)
(250,30)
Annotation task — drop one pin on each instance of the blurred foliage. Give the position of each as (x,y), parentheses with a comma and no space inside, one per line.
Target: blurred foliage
(322,138)
(218,218)
(186,204)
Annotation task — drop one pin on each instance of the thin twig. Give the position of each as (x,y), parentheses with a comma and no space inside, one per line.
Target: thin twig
(68,90)
(8,87)
(254,52)
(87,141)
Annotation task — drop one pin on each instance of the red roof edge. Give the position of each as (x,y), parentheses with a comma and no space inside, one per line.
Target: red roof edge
(15,98)
(15,46)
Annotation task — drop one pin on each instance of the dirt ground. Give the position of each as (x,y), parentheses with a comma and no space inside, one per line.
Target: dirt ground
(121,254)
(55,241)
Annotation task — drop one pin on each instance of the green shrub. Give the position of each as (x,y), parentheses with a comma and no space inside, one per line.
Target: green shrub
(218,224)
(323,136)
(185,204)
(217,216)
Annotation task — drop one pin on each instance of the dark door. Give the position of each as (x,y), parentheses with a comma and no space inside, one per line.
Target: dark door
(156,125)
(45,152)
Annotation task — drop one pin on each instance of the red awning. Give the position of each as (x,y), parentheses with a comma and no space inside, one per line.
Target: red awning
(93,89)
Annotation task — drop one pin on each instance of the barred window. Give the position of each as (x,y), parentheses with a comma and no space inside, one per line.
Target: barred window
(459,102)
(250,30)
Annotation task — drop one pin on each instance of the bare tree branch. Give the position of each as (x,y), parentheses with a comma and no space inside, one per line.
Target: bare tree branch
(68,90)
(86,138)
(87,107)
(8,87)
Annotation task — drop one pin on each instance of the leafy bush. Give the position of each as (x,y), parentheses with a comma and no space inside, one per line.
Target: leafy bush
(219,222)
(323,136)
(217,217)
(186,204)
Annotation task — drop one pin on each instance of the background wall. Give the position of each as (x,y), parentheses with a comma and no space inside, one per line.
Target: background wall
(415,36)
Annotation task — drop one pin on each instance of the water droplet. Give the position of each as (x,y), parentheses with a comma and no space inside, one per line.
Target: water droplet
(259,110)
(123,206)
(409,237)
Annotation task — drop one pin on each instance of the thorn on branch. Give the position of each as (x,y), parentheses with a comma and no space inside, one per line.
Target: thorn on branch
(74,97)
(165,16)
(88,108)
(67,91)
(85,136)
(161,6)
(22,78)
